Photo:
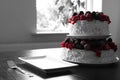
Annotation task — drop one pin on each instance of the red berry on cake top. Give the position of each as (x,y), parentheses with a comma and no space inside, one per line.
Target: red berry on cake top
(89,16)
(82,17)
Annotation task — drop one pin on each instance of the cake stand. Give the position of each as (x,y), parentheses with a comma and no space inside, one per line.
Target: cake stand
(90,37)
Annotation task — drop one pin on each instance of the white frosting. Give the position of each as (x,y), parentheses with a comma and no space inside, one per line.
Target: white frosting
(89,57)
(89,28)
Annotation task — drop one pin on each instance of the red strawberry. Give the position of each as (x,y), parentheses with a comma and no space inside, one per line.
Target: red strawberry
(102,17)
(73,45)
(72,22)
(89,17)
(115,48)
(107,47)
(66,44)
(63,44)
(109,22)
(82,17)
(77,17)
(98,53)
(107,19)
(70,46)
(73,19)
(112,45)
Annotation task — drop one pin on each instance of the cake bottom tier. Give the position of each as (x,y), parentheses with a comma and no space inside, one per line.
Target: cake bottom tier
(89,57)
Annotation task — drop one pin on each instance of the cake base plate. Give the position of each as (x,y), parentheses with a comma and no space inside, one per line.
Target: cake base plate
(90,37)
(96,63)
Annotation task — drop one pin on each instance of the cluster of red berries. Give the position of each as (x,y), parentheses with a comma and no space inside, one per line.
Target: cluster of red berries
(68,45)
(107,46)
(89,16)
(94,45)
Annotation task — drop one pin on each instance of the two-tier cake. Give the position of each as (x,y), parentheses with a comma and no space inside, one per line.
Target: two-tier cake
(89,39)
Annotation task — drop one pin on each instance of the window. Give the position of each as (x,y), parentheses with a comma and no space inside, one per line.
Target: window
(52,15)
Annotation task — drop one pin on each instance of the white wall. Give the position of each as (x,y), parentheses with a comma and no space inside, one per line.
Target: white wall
(111,7)
(17,20)
(27,46)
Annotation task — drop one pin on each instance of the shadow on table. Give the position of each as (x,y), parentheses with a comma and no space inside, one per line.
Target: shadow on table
(46,73)
(111,65)
(99,71)
(85,71)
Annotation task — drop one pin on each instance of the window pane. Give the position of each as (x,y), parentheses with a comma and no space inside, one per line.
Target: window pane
(97,5)
(53,15)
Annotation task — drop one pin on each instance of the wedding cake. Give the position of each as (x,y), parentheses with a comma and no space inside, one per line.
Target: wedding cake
(89,39)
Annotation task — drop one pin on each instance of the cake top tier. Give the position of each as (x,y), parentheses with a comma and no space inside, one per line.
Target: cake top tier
(89,16)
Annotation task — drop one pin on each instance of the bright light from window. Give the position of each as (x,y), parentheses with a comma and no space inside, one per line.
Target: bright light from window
(53,15)
(97,5)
